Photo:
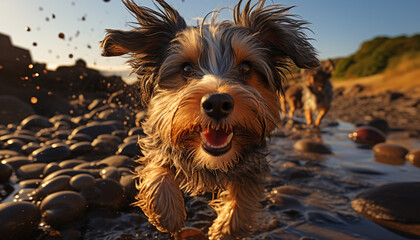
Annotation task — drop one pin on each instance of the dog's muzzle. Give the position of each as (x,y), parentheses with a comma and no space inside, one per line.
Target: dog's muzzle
(217,105)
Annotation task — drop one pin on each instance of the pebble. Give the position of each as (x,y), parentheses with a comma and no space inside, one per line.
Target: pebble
(131,149)
(413,157)
(30,183)
(5,172)
(104,146)
(70,172)
(110,173)
(25,195)
(111,194)
(360,168)
(35,122)
(61,208)
(95,130)
(389,153)
(71,163)
(119,161)
(80,137)
(368,136)
(18,220)
(14,144)
(394,205)
(81,148)
(82,181)
(8,154)
(308,145)
(22,137)
(380,124)
(135,131)
(52,153)
(129,184)
(59,183)
(16,162)
(50,168)
(30,171)
(30,147)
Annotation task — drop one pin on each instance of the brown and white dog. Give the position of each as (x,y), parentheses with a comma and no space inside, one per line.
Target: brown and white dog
(212,98)
(314,95)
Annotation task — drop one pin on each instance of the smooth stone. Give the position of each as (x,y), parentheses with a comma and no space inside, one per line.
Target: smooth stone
(95,130)
(45,134)
(90,193)
(71,163)
(25,195)
(128,182)
(104,146)
(71,172)
(367,135)
(8,154)
(51,153)
(389,153)
(35,121)
(394,205)
(61,134)
(413,157)
(308,145)
(30,147)
(360,168)
(290,190)
(50,168)
(136,131)
(89,165)
(109,137)
(96,103)
(61,125)
(119,133)
(14,144)
(129,139)
(119,161)
(61,118)
(61,208)
(30,183)
(22,137)
(5,172)
(81,148)
(131,149)
(30,171)
(81,181)
(16,162)
(80,137)
(111,194)
(18,220)
(59,183)
(379,124)
(110,173)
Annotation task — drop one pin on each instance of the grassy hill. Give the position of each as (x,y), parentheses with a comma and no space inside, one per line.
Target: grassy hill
(378,55)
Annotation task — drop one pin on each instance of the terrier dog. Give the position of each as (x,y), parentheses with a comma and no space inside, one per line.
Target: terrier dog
(314,94)
(212,97)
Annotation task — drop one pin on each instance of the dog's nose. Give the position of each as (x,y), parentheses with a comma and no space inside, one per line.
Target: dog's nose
(217,105)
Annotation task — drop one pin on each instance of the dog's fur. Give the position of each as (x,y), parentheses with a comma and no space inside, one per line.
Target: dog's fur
(178,68)
(314,95)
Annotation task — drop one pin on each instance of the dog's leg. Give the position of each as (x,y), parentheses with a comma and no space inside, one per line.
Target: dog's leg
(235,209)
(320,116)
(161,199)
(308,116)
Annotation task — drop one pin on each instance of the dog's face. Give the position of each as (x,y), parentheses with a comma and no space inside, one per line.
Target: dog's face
(212,90)
(316,79)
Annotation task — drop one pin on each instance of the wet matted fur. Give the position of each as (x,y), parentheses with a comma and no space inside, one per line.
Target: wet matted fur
(238,65)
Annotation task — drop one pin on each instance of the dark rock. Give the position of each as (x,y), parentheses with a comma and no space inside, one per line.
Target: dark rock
(8,154)
(111,173)
(52,153)
(81,181)
(136,131)
(360,168)
(134,138)
(5,172)
(50,168)
(35,122)
(61,208)
(390,153)
(71,163)
(95,130)
(129,184)
(30,147)
(30,171)
(119,133)
(59,183)
(367,135)
(30,183)
(104,146)
(13,110)
(379,124)
(71,173)
(17,162)
(111,194)
(308,145)
(119,161)
(18,220)
(25,195)
(61,134)
(131,149)
(80,137)
(22,137)
(14,145)
(395,206)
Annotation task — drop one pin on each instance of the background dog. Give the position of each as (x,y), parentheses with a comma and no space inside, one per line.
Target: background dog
(211,93)
(314,95)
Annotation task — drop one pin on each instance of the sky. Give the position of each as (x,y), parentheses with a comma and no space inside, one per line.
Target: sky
(338,26)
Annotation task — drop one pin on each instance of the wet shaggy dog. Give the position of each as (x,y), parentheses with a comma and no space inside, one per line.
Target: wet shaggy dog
(212,97)
(314,95)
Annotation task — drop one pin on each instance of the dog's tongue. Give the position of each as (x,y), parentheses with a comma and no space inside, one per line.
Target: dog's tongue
(216,137)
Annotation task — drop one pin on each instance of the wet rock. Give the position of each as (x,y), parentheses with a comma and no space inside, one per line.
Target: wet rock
(5,172)
(30,147)
(81,181)
(61,125)
(81,148)
(360,168)
(52,153)
(96,103)
(390,153)
(111,194)
(8,154)
(35,122)
(322,217)
(413,157)
(30,171)
(134,138)
(119,161)
(71,173)
(368,136)
(104,146)
(131,149)
(61,134)
(395,206)
(71,163)
(129,184)
(14,145)
(308,145)
(61,208)
(95,130)
(30,183)
(110,173)
(18,220)
(290,190)
(91,193)
(135,131)
(25,195)
(80,137)
(16,162)
(50,168)
(380,124)
(22,137)
(119,133)
(59,183)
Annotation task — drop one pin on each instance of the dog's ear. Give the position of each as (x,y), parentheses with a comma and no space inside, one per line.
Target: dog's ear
(282,35)
(147,42)
(328,67)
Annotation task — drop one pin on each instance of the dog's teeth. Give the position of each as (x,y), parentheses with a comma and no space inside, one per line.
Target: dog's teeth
(229,138)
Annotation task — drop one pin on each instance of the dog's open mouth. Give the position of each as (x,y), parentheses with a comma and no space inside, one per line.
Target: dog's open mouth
(216,142)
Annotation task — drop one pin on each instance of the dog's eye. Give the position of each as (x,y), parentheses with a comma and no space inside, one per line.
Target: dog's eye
(245,68)
(187,70)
